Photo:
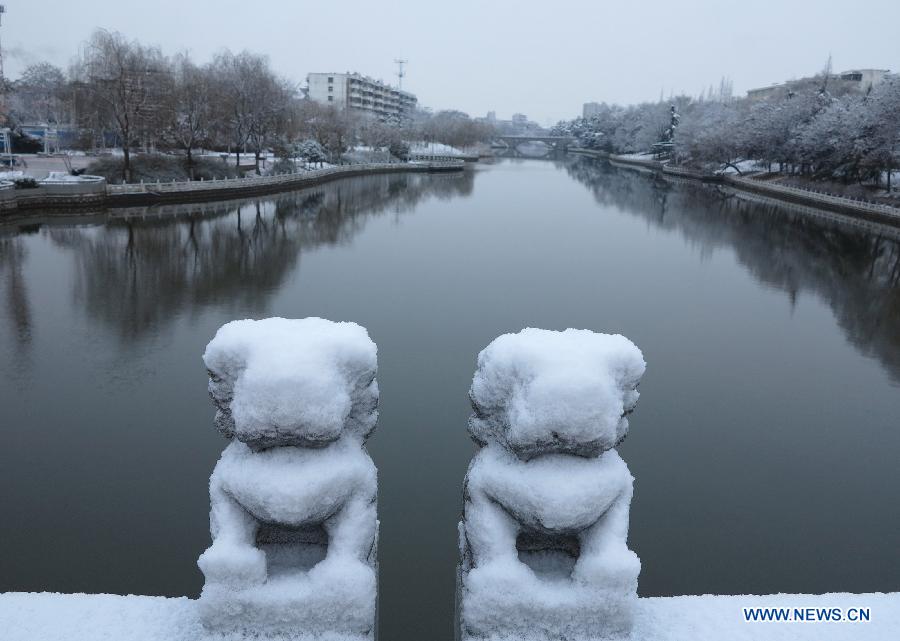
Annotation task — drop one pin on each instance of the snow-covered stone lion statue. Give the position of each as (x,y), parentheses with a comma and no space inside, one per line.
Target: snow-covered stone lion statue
(293,514)
(543,537)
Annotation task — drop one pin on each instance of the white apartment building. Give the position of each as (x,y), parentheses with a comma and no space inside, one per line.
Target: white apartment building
(360,93)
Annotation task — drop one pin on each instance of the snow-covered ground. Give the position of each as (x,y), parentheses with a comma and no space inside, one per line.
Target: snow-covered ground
(744,166)
(40,167)
(644,155)
(105,617)
(436,149)
(721,618)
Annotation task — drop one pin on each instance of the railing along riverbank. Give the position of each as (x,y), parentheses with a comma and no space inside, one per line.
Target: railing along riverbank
(841,204)
(94,191)
(878,212)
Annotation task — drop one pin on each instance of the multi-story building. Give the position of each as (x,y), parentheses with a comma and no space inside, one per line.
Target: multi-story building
(519,120)
(590,109)
(360,93)
(864,78)
(855,80)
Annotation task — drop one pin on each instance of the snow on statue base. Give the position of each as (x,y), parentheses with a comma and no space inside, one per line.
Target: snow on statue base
(292,516)
(543,537)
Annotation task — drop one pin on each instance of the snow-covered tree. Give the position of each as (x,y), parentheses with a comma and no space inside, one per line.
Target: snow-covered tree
(311,151)
(879,141)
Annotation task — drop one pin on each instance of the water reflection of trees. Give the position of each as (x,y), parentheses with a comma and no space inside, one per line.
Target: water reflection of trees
(855,271)
(137,274)
(14,291)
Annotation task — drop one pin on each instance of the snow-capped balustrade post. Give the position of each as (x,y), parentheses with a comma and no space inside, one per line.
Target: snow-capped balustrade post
(293,514)
(543,540)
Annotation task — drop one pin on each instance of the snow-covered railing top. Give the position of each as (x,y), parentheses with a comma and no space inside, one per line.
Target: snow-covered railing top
(542,391)
(281,382)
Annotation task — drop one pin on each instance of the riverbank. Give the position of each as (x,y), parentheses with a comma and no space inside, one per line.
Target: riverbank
(86,617)
(847,206)
(94,192)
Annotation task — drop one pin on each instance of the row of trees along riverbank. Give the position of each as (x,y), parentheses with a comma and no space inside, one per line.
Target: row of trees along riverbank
(819,128)
(128,94)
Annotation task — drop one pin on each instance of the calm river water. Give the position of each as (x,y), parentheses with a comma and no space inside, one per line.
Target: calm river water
(765,446)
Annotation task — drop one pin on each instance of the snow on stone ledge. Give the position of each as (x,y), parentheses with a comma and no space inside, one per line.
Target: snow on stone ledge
(285,378)
(577,385)
(106,617)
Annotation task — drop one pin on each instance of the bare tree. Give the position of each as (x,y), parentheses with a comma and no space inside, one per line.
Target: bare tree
(39,94)
(190,109)
(235,86)
(270,113)
(126,82)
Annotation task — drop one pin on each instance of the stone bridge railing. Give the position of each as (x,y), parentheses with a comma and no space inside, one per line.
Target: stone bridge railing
(293,522)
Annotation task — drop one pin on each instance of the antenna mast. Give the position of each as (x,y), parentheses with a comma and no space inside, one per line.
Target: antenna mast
(2,75)
(3,88)
(400,73)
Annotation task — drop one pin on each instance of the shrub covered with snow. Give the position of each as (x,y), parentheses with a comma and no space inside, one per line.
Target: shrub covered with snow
(543,537)
(293,516)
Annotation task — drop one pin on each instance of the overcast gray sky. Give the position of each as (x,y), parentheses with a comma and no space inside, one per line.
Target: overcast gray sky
(543,58)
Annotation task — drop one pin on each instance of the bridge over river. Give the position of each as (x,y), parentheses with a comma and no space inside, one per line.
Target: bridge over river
(557,143)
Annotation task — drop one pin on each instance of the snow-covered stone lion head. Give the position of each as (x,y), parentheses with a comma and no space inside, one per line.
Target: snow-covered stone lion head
(541,391)
(278,382)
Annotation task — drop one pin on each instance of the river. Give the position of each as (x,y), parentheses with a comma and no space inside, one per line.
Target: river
(765,445)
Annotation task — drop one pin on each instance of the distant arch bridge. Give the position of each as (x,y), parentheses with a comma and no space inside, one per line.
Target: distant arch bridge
(556,143)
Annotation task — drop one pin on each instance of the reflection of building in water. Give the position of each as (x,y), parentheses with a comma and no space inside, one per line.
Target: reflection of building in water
(856,271)
(138,274)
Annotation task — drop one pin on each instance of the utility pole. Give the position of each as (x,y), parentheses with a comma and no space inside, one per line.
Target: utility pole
(400,73)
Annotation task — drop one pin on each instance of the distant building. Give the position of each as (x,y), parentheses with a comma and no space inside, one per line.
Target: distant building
(865,78)
(360,93)
(590,109)
(761,93)
(519,120)
(860,80)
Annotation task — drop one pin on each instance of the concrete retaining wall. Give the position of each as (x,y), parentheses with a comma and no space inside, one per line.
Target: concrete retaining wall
(7,195)
(591,153)
(94,192)
(870,211)
(839,204)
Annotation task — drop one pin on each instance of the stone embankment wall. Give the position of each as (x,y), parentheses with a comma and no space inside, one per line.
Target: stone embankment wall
(93,191)
(848,206)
